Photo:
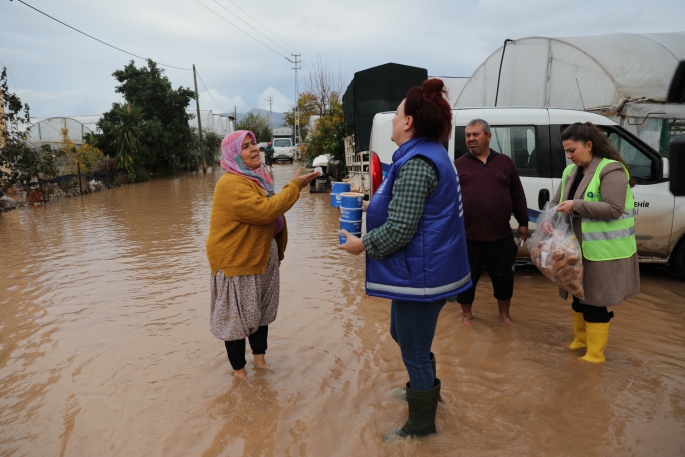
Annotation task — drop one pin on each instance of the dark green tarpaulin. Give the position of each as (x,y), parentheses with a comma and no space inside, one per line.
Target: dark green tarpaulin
(375,90)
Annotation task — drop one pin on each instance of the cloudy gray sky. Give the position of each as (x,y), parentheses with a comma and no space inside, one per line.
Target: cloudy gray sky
(60,72)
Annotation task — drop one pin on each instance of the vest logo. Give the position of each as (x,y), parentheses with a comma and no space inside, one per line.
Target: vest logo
(590,195)
(643,204)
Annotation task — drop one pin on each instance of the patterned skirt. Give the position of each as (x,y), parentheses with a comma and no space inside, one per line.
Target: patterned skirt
(241,304)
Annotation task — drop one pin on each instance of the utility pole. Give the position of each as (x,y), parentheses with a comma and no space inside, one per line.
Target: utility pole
(297,98)
(270,100)
(199,122)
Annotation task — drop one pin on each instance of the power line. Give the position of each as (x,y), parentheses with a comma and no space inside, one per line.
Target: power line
(235,26)
(283,77)
(260,24)
(92,37)
(209,93)
(256,30)
(246,13)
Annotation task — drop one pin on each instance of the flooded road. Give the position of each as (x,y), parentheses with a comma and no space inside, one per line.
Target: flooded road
(105,348)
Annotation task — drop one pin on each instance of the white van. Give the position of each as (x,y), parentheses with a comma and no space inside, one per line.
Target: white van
(531,137)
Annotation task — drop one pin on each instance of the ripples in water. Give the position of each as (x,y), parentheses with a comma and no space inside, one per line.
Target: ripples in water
(105,348)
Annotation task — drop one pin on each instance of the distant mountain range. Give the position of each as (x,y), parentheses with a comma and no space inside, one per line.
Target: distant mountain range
(276,118)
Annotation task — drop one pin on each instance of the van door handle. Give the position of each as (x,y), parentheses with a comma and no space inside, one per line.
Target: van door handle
(543,197)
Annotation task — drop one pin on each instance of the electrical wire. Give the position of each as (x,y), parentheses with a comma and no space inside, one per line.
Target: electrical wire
(8,72)
(106,44)
(209,93)
(235,26)
(283,76)
(247,14)
(256,30)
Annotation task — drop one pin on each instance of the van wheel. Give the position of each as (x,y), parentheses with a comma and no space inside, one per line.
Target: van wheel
(291,160)
(677,260)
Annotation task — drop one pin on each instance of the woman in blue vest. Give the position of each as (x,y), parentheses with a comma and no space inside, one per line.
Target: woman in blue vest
(415,243)
(595,190)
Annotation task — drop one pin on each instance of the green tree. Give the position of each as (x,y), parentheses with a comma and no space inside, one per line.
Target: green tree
(211,142)
(166,137)
(308,108)
(128,136)
(329,134)
(212,145)
(19,162)
(257,124)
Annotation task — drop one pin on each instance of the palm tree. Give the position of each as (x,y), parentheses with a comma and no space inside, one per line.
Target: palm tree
(128,135)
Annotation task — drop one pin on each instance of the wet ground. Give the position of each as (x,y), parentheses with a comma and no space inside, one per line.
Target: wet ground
(105,348)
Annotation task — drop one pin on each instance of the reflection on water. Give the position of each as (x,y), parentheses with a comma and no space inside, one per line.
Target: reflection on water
(105,348)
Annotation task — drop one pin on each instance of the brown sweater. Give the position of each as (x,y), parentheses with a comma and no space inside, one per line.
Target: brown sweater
(242,223)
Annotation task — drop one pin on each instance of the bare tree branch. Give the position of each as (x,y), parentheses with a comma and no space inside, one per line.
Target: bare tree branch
(325,84)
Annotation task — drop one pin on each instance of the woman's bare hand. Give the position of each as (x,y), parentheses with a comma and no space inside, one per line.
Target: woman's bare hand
(365,205)
(566,207)
(353,244)
(305,179)
(547,228)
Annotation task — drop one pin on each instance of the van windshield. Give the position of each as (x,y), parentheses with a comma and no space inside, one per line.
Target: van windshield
(282,143)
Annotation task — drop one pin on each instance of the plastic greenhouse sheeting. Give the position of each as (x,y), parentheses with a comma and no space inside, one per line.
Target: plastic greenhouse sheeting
(220,124)
(582,72)
(454,86)
(623,76)
(49,130)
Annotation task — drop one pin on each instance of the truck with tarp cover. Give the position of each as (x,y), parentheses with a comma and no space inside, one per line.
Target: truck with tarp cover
(372,91)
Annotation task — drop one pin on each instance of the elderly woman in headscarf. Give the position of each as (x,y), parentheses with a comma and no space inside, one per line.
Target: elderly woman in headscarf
(245,246)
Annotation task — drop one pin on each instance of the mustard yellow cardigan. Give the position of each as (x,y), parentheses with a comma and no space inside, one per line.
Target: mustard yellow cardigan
(241,225)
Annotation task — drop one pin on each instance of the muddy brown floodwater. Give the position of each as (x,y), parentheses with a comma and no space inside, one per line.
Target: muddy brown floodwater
(105,348)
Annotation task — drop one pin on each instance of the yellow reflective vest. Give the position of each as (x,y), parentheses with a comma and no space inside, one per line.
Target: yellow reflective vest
(605,239)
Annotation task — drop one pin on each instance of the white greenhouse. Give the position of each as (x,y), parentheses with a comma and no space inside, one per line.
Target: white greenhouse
(454,85)
(50,131)
(623,76)
(221,124)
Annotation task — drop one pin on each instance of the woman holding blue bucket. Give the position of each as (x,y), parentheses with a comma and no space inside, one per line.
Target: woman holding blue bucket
(351,213)
(415,243)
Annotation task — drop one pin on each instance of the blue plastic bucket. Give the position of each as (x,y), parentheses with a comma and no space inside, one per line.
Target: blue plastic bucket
(343,238)
(351,199)
(335,200)
(351,214)
(351,226)
(340,187)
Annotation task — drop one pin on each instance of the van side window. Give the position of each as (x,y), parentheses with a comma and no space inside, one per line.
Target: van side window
(518,142)
(640,165)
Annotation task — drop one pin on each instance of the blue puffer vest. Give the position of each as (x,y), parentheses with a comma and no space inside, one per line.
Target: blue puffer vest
(434,265)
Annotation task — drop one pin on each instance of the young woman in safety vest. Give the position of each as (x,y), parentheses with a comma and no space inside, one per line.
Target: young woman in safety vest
(595,190)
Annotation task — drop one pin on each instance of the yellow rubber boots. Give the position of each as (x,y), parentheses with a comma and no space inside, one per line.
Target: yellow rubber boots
(597,337)
(579,335)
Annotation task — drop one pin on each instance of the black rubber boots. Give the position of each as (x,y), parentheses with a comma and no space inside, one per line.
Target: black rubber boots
(423,405)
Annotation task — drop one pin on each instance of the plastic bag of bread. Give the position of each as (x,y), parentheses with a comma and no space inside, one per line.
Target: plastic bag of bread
(556,251)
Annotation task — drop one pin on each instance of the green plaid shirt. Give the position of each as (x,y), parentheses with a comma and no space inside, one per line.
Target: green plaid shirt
(418,178)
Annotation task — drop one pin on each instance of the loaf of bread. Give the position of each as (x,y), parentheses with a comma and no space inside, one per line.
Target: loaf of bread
(558,258)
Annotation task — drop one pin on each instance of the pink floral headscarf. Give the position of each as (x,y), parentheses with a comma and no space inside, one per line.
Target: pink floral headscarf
(231,161)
